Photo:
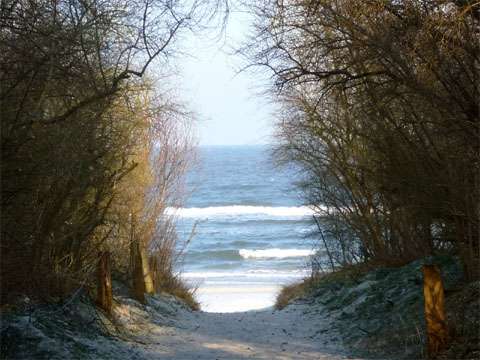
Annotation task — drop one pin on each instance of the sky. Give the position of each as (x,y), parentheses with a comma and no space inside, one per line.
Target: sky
(229,106)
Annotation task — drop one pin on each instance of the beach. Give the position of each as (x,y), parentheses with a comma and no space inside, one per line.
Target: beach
(250,229)
(237,297)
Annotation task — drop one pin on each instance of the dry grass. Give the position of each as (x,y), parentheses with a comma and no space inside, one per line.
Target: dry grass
(176,286)
(289,293)
(162,262)
(297,290)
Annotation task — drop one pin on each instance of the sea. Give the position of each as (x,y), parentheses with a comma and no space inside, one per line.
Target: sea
(249,226)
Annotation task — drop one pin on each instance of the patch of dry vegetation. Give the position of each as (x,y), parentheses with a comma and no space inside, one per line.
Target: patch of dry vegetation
(173,284)
(297,290)
(289,293)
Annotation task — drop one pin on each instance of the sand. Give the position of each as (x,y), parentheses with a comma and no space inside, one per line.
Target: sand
(165,329)
(236,298)
(298,332)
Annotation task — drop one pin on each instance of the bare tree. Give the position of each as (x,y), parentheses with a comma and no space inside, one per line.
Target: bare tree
(71,72)
(381,110)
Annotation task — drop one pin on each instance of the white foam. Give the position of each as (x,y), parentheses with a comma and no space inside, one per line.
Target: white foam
(237,210)
(246,274)
(275,253)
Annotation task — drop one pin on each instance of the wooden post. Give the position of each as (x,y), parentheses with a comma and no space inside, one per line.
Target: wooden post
(145,267)
(133,250)
(138,285)
(154,271)
(437,332)
(104,283)
(141,278)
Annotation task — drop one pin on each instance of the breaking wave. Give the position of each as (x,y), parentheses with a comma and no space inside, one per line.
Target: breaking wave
(240,210)
(246,274)
(275,253)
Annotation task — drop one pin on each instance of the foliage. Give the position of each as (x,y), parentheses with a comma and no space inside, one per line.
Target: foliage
(92,153)
(381,110)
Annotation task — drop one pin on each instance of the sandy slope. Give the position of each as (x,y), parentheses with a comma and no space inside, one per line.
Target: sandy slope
(298,332)
(165,329)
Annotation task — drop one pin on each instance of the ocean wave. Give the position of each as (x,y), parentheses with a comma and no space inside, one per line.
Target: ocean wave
(240,210)
(247,274)
(275,253)
(245,254)
(255,221)
(225,255)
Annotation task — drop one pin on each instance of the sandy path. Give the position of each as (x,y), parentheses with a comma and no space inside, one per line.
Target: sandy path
(298,332)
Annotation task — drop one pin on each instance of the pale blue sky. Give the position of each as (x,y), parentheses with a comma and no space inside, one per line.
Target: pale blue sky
(230,109)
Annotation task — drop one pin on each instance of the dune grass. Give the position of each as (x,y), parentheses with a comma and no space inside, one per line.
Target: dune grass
(297,290)
(174,285)
(288,293)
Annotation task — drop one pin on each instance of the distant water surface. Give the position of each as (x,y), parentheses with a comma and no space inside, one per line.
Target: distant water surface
(251,223)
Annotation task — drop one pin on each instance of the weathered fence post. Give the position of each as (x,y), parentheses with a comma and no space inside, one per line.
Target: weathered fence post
(154,272)
(141,278)
(104,283)
(437,332)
